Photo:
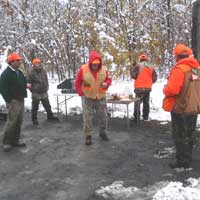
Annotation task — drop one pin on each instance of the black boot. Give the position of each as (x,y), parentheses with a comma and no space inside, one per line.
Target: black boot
(52,118)
(176,164)
(19,144)
(103,136)
(88,140)
(35,122)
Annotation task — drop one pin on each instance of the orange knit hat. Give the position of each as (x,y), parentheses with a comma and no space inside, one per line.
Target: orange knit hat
(13,56)
(36,61)
(181,49)
(96,61)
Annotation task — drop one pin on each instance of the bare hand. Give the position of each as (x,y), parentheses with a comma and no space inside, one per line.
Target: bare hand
(104,85)
(28,85)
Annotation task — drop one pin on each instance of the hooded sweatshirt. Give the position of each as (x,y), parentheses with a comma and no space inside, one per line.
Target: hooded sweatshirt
(176,81)
(79,77)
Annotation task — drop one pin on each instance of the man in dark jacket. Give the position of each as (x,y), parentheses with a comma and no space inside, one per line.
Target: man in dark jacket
(38,85)
(13,90)
(144,76)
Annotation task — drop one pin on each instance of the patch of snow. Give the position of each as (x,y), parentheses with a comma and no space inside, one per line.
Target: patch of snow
(26,172)
(61,195)
(193,1)
(25,150)
(116,189)
(162,190)
(108,56)
(163,123)
(46,140)
(165,153)
(181,169)
(177,191)
(180,8)
(33,41)
(3,58)
(103,35)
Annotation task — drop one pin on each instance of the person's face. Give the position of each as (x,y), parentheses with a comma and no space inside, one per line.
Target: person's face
(177,58)
(38,66)
(15,64)
(94,66)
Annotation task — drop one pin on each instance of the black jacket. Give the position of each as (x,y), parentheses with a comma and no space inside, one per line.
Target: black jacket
(12,85)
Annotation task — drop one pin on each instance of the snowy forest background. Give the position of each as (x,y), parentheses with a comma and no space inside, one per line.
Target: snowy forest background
(63,32)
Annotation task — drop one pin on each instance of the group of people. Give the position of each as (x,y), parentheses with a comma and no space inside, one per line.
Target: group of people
(13,88)
(92,81)
(182,97)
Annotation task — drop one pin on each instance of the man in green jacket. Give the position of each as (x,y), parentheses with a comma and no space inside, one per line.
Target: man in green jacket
(13,90)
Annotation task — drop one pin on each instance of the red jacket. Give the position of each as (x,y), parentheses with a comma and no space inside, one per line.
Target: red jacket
(79,77)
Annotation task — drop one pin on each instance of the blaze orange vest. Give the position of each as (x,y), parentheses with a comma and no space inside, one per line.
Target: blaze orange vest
(188,100)
(144,78)
(91,87)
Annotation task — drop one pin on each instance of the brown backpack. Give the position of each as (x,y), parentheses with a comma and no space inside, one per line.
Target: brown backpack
(188,101)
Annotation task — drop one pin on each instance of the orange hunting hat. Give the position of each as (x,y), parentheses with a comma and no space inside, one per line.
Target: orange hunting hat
(181,49)
(13,56)
(96,61)
(36,61)
(143,57)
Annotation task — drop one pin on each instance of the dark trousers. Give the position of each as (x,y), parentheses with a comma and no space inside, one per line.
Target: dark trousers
(46,105)
(144,98)
(194,123)
(182,129)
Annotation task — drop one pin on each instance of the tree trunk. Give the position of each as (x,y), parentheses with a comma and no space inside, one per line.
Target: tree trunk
(196,29)
(168,22)
(97,9)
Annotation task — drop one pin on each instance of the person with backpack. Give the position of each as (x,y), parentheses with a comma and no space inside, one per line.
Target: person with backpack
(182,99)
(144,75)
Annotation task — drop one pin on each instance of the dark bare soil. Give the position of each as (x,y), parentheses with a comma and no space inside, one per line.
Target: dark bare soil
(56,165)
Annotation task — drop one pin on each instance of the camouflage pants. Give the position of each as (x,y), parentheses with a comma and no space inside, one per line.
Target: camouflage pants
(14,121)
(91,107)
(182,129)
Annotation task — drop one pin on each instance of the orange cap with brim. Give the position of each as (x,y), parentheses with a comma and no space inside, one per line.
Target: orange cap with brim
(181,49)
(13,56)
(143,57)
(96,61)
(36,61)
